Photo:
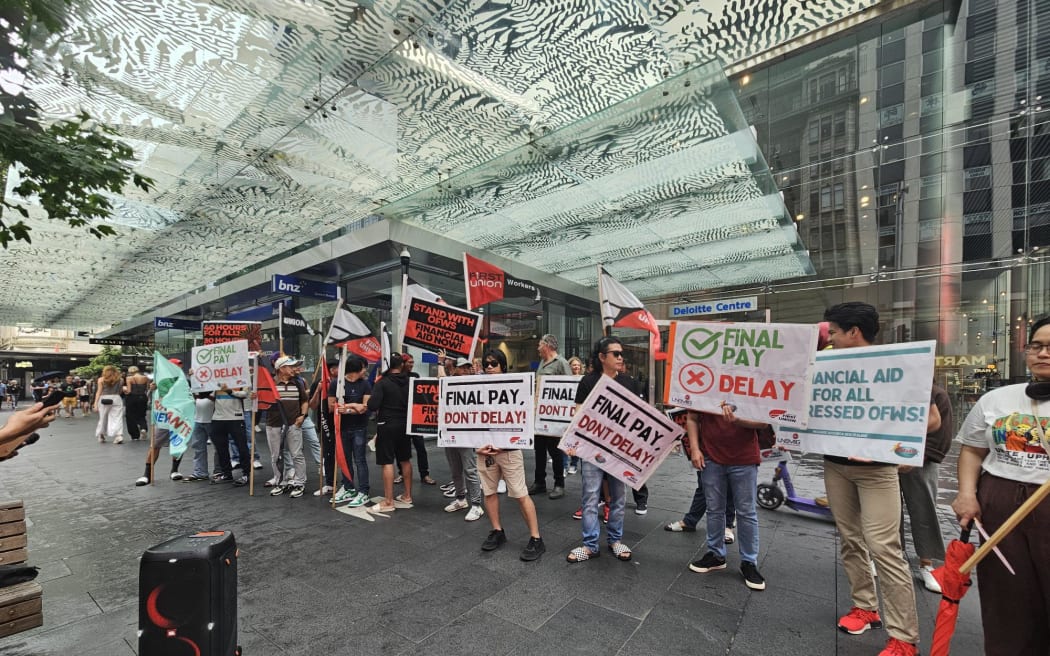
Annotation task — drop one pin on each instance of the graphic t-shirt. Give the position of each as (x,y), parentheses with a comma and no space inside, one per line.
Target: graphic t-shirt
(69,390)
(1004,420)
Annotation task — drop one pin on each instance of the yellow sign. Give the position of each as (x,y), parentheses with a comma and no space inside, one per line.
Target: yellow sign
(24,365)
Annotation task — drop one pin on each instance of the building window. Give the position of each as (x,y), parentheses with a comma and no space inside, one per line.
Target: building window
(840,196)
(977,224)
(840,124)
(978,177)
(930,104)
(980,47)
(890,75)
(814,203)
(825,199)
(930,230)
(891,116)
(814,131)
(930,187)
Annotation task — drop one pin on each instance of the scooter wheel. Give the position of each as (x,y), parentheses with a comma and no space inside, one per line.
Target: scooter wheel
(769,496)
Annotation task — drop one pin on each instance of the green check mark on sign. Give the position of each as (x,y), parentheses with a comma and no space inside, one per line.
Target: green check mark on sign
(701,343)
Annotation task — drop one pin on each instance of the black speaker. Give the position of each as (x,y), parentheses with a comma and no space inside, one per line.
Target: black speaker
(188,597)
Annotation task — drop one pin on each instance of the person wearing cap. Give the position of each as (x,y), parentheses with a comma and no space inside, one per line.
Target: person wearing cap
(284,429)
(551,364)
(422,461)
(462,463)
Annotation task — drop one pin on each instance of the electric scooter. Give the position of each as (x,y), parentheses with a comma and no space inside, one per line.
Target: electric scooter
(771,497)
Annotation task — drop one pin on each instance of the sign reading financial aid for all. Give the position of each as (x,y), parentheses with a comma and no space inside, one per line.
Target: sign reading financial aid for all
(763,369)
(434,326)
(496,410)
(620,433)
(422,406)
(216,365)
(556,404)
(870,402)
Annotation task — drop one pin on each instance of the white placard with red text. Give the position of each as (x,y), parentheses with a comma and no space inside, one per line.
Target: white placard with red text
(555,404)
(483,410)
(621,433)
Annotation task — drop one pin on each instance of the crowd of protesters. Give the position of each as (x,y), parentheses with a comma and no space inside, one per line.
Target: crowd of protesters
(865,498)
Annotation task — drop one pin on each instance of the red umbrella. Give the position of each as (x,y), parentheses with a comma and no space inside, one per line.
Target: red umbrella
(954,585)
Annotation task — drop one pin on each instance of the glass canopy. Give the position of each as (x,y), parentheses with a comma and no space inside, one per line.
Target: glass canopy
(557,134)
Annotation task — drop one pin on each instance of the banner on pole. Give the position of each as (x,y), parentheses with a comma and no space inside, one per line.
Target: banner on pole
(422,406)
(762,369)
(870,403)
(556,404)
(216,365)
(495,409)
(621,433)
(219,332)
(434,326)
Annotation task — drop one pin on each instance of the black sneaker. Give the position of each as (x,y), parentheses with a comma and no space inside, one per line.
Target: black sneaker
(495,540)
(640,508)
(535,489)
(752,578)
(240,482)
(222,478)
(709,563)
(533,550)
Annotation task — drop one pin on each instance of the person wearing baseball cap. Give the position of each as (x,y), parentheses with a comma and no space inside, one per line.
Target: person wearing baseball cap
(284,422)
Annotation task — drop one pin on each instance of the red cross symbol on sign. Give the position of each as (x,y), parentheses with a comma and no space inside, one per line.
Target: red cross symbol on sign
(696,378)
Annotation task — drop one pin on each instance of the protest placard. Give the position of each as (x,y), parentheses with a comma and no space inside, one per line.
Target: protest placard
(221,364)
(218,332)
(422,406)
(620,433)
(762,369)
(556,403)
(433,326)
(496,409)
(870,402)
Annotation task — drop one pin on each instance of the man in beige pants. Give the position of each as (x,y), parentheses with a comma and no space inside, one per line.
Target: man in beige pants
(865,499)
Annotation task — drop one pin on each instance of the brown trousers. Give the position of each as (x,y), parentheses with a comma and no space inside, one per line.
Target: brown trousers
(1015,610)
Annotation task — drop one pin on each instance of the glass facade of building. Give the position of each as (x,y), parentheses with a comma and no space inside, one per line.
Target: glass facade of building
(915,158)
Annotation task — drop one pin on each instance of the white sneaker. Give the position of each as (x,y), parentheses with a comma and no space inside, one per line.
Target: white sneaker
(927,579)
(119,440)
(475,513)
(256,465)
(141,480)
(572,469)
(258,428)
(457,504)
(729,537)
(502,487)
(324,491)
(175,476)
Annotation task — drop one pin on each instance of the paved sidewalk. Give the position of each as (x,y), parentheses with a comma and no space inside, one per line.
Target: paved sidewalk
(314,581)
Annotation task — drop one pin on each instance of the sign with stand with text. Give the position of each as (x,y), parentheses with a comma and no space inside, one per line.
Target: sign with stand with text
(434,326)
(422,406)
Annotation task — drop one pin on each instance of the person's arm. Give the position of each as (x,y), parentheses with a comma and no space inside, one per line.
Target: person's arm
(730,416)
(304,405)
(21,425)
(692,433)
(376,399)
(315,399)
(965,504)
(933,420)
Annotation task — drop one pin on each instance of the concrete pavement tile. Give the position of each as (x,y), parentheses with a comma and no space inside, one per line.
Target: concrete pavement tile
(547,590)
(475,632)
(709,629)
(581,628)
(782,623)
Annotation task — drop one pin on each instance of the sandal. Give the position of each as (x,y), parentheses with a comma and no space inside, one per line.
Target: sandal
(427,480)
(580,554)
(621,551)
(401,502)
(376,508)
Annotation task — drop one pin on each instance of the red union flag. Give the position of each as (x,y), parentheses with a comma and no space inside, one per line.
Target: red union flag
(486,283)
(622,309)
(350,331)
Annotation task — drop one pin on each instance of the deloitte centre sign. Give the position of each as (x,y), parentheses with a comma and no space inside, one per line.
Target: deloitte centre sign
(743,304)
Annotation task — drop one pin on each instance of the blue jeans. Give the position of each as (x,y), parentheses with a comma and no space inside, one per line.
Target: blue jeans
(310,439)
(592,492)
(199,443)
(355,450)
(743,481)
(699,505)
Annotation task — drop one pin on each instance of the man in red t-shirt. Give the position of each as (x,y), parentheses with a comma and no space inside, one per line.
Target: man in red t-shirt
(728,457)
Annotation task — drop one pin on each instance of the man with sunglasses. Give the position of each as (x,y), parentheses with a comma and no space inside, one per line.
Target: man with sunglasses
(606,360)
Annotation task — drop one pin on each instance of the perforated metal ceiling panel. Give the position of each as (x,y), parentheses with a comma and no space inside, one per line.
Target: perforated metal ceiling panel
(559,134)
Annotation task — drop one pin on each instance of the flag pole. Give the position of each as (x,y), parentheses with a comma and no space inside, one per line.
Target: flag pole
(321,401)
(406,260)
(255,418)
(601,303)
(280,327)
(340,392)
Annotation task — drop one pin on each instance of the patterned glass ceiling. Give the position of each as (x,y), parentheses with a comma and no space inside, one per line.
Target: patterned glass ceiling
(558,134)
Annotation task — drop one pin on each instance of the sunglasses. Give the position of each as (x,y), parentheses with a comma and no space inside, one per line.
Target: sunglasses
(491,363)
(615,354)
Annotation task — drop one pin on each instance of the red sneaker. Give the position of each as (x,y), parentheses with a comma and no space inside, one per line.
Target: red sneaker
(578,514)
(858,620)
(605,514)
(895,647)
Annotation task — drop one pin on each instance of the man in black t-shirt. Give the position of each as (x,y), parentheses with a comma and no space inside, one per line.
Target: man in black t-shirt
(353,425)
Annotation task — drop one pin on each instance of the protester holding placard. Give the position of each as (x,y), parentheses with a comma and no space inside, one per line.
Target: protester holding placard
(865,500)
(389,401)
(507,464)
(729,459)
(1003,462)
(606,360)
(551,364)
(422,461)
(462,461)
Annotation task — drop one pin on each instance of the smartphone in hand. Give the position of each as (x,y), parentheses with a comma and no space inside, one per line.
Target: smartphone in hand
(54,398)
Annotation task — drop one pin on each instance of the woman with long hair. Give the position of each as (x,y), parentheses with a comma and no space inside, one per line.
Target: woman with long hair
(136,404)
(110,405)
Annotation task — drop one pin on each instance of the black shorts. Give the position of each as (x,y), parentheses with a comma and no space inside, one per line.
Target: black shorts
(392,445)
